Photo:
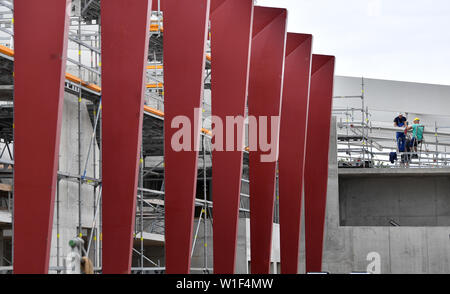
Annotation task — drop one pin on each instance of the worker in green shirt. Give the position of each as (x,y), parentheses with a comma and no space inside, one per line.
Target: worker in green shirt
(417,134)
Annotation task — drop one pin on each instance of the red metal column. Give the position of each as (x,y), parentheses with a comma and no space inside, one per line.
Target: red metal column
(185,32)
(231,26)
(294,114)
(125,40)
(316,161)
(40,62)
(265,88)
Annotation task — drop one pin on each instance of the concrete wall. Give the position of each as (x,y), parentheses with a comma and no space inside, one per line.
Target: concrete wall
(68,163)
(410,200)
(402,250)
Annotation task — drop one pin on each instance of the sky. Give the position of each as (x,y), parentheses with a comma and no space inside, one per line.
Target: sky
(404,40)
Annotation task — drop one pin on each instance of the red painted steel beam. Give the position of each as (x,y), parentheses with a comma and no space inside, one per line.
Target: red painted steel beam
(124,60)
(184,63)
(264,101)
(294,114)
(38,101)
(231,27)
(316,162)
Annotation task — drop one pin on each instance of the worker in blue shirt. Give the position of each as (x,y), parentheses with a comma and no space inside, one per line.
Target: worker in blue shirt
(401,122)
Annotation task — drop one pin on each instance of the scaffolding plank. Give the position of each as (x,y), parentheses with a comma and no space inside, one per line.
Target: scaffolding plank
(316,161)
(292,146)
(124,61)
(184,63)
(5,187)
(159,202)
(5,217)
(264,102)
(38,101)
(236,16)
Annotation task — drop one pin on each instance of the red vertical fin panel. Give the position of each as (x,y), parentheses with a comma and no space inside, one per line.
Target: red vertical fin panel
(231,26)
(316,161)
(124,59)
(185,31)
(38,101)
(291,161)
(264,102)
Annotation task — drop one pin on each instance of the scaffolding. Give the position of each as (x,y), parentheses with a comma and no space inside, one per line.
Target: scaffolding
(367,143)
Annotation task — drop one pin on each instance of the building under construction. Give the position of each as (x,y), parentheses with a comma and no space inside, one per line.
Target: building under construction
(381,215)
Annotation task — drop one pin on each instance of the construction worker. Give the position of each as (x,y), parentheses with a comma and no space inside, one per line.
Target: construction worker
(417,137)
(401,122)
